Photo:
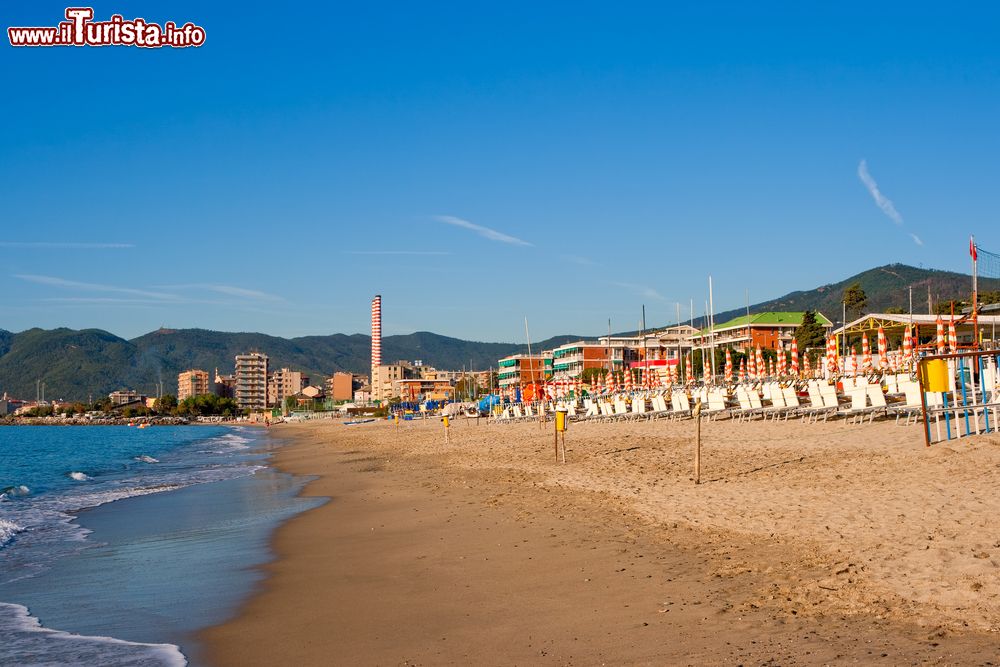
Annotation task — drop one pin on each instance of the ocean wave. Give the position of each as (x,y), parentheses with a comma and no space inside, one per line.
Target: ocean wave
(79,476)
(8,529)
(14,491)
(26,640)
(146,459)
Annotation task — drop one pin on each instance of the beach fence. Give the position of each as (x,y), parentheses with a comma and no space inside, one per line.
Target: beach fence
(960,394)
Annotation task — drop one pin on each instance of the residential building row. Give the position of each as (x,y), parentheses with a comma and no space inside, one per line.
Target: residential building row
(255,386)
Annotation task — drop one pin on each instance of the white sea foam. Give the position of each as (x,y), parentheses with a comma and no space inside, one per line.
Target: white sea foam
(8,529)
(13,491)
(146,459)
(79,476)
(27,641)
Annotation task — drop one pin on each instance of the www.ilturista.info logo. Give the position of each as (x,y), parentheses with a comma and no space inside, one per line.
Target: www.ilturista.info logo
(81,30)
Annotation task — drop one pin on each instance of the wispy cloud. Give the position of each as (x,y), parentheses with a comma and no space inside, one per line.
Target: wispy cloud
(228,290)
(64,245)
(485,232)
(642,290)
(582,261)
(916,239)
(53,281)
(111,301)
(396,252)
(881,200)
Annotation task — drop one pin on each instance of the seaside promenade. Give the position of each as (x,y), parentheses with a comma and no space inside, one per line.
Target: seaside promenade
(804,544)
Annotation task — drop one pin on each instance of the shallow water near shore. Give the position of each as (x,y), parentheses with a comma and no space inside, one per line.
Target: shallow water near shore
(85,579)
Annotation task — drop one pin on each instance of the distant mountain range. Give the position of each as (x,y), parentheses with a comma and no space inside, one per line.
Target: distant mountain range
(77,364)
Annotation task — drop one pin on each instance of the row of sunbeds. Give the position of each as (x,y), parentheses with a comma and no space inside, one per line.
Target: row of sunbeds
(860,402)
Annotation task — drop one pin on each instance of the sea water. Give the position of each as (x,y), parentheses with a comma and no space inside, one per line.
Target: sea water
(118,544)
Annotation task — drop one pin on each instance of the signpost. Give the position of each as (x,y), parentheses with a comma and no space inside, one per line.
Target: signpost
(560,423)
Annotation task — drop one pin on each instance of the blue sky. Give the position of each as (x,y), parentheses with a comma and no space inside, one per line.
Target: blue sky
(565,162)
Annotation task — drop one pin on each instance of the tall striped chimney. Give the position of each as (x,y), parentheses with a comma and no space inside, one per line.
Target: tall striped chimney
(376,343)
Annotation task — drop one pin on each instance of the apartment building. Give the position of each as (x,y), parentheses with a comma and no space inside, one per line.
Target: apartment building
(125,396)
(284,383)
(521,369)
(340,387)
(192,382)
(383,388)
(250,390)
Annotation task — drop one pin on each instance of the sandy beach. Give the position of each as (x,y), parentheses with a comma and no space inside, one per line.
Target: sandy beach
(805,544)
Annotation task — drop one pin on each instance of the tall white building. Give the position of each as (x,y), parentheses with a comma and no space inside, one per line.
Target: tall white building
(250,391)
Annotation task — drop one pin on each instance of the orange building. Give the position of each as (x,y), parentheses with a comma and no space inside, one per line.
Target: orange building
(192,383)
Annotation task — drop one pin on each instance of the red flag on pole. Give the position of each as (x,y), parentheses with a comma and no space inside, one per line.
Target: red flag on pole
(972,249)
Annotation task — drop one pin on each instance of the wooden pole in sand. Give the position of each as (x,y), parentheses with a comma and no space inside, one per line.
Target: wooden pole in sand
(697,447)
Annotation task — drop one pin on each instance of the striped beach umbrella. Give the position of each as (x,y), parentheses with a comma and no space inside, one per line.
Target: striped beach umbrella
(751,366)
(831,354)
(761,368)
(780,366)
(952,336)
(741,376)
(706,369)
(806,370)
(883,349)
(688,370)
(608,382)
(672,370)
(941,343)
(866,353)
(851,365)
(771,370)
(628,381)
(907,347)
(795,358)
(729,367)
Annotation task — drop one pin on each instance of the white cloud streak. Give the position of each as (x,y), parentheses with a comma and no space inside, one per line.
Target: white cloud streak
(53,281)
(228,290)
(62,246)
(396,252)
(485,232)
(916,239)
(582,261)
(641,290)
(881,200)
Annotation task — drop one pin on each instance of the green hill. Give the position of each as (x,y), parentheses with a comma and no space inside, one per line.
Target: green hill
(75,365)
(885,286)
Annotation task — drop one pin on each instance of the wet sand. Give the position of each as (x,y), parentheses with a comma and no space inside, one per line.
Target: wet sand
(805,545)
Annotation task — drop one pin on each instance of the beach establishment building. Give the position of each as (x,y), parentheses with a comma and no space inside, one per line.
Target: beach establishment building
(420,389)
(285,383)
(520,369)
(250,390)
(760,329)
(925,326)
(192,382)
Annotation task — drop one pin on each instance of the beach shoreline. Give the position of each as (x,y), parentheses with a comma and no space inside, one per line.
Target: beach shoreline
(486,550)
